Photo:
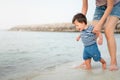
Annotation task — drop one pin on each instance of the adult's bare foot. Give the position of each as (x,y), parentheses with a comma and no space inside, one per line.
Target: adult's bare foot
(113,68)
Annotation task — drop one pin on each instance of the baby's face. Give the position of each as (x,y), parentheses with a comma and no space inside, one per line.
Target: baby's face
(79,26)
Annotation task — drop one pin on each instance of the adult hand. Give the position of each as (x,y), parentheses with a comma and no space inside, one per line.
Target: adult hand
(97,28)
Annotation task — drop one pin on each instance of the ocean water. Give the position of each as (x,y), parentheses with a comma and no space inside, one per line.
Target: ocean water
(25,54)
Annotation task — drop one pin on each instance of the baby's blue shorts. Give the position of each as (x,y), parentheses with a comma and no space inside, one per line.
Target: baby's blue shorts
(99,11)
(92,51)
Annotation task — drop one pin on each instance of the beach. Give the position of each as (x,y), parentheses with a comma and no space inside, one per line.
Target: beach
(49,56)
(65,72)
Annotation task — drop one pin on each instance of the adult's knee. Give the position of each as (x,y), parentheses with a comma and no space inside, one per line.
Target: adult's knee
(109,34)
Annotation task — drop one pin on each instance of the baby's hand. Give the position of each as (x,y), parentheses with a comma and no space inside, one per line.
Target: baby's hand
(100,38)
(78,38)
(100,41)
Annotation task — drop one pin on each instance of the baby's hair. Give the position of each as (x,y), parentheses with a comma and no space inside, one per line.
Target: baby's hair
(80,18)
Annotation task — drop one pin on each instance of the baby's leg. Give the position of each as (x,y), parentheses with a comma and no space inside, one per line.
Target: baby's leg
(88,64)
(103,64)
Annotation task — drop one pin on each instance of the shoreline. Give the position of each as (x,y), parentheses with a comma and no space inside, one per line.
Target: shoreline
(31,61)
(66,72)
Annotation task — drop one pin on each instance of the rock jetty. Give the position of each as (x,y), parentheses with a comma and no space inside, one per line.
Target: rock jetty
(58,27)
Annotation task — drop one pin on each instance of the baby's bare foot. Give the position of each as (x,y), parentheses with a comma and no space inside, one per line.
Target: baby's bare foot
(78,66)
(83,66)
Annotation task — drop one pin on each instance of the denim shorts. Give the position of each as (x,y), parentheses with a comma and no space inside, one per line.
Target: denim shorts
(99,11)
(92,52)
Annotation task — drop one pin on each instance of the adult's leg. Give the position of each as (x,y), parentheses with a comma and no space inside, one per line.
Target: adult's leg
(109,33)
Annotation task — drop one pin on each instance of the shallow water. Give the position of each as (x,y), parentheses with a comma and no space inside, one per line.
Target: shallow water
(24,53)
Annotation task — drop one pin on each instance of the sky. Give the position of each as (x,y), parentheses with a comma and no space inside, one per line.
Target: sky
(29,12)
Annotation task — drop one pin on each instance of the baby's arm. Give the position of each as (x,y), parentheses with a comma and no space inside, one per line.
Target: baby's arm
(78,38)
(100,38)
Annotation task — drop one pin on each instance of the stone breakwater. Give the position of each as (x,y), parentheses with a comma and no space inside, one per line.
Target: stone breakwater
(58,27)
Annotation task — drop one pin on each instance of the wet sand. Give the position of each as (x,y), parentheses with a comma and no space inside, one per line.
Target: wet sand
(66,72)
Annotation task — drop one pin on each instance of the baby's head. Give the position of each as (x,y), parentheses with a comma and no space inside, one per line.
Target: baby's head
(80,21)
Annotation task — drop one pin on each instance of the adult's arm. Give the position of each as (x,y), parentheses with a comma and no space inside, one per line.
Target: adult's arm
(110,4)
(84,6)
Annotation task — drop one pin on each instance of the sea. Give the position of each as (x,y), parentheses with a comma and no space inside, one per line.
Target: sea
(25,54)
